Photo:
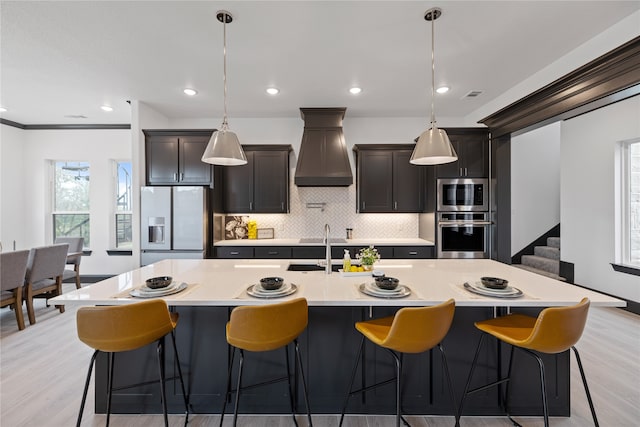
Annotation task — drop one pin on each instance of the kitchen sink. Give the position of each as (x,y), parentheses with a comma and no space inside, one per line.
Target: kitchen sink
(311,267)
(320,240)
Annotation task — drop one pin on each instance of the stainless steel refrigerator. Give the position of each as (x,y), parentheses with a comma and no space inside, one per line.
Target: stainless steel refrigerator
(173,222)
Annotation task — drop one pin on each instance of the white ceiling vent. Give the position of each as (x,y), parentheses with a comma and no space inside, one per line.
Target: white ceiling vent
(472,94)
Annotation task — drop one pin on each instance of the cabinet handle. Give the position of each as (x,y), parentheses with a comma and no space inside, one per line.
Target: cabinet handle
(250,206)
(272,253)
(234,253)
(175,177)
(413,252)
(466,172)
(395,206)
(282,206)
(181,176)
(364,205)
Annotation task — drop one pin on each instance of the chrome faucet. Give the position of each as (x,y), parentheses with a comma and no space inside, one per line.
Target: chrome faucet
(327,245)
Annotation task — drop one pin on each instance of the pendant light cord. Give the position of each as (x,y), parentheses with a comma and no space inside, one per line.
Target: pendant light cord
(433,69)
(224,67)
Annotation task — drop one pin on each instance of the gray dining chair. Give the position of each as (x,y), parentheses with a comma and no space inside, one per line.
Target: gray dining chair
(44,275)
(74,256)
(13,266)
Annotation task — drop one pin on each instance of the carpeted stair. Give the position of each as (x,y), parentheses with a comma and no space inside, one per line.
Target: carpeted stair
(545,260)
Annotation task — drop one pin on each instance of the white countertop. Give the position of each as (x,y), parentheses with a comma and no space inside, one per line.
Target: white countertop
(350,242)
(219,282)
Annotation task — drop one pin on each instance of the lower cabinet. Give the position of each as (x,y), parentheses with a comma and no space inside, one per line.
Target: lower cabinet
(234,252)
(318,252)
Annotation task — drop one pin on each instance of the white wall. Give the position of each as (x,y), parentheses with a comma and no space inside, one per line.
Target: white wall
(535,184)
(12,195)
(588,195)
(97,147)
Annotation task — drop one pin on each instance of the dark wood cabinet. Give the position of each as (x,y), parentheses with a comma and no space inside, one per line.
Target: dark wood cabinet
(472,147)
(260,186)
(386,181)
(173,157)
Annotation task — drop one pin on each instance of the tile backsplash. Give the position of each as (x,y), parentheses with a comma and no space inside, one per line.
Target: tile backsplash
(308,216)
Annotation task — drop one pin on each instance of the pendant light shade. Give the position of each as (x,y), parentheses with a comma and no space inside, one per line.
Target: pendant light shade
(224,147)
(433,146)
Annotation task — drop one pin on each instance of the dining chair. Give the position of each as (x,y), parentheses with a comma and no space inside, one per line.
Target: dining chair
(554,330)
(410,330)
(74,256)
(13,266)
(115,329)
(44,275)
(266,328)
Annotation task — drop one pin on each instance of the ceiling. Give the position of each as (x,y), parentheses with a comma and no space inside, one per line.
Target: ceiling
(68,58)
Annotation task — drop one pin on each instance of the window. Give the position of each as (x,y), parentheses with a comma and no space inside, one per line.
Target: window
(630,203)
(123,208)
(71,200)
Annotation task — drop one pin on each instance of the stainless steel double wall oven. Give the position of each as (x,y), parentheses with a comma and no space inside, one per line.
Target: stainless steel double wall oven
(464,222)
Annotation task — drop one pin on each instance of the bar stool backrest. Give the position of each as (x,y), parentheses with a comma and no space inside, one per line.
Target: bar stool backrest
(557,329)
(267,327)
(418,329)
(124,327)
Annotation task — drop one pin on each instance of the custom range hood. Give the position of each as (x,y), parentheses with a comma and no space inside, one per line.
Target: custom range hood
(323,160)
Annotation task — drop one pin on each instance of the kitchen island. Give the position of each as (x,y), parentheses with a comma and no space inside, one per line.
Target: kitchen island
(330,343)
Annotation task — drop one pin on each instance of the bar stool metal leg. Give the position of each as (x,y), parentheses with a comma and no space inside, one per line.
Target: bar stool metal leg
(227,394)
(586,387)
(163,395)
(353,377)
(86,387)
(291,392)
(448,376)
(304,382)
(235,409)
(110,386)
(473,367)
(184,392)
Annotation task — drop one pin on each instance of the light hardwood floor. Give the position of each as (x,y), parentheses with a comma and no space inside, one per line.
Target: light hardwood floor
(42,371)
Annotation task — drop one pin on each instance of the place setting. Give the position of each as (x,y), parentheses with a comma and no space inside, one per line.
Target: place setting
(271,287)
(384,287)
(160,286)
(493,287)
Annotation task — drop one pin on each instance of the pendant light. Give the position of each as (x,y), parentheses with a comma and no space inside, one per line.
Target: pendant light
(433,146)
(224,147)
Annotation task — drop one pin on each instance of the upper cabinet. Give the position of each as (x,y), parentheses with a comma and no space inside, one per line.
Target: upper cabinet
(260,186)
(386,181)
(173,157)
(472,147)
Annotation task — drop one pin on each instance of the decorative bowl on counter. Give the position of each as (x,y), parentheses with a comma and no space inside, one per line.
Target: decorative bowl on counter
(388,283)
(271,283)
(159,282)
(494,282)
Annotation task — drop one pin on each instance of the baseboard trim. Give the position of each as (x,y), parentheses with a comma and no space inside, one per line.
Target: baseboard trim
(91,278)
(632,306)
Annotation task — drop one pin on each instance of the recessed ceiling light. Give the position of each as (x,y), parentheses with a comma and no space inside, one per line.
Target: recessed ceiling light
(273,90)
(443,89)
(355,90)
(106,108)
(2,109)
(190,92)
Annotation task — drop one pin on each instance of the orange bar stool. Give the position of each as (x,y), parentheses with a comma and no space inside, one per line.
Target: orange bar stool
(114,329)
(555,330)
(410,330)
(265,328)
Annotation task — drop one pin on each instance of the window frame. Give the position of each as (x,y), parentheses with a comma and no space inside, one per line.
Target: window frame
(113,218)
(624,263)
(53,198)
